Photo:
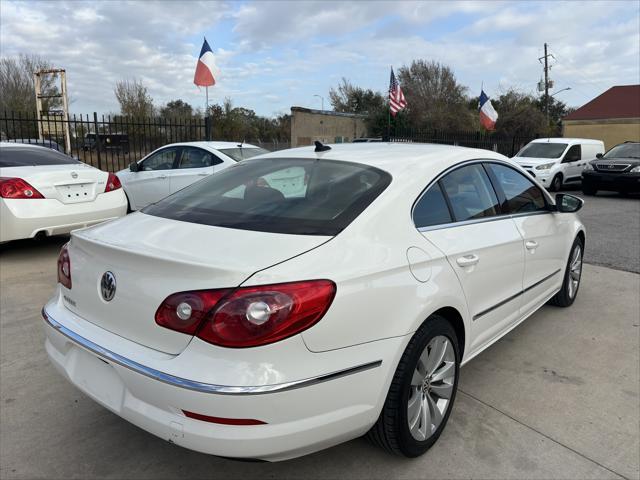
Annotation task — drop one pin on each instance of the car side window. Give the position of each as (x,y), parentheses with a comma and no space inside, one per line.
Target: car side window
(191,157)
(470,193)
(573,154)
(521,194)
(162,160)
(431,208)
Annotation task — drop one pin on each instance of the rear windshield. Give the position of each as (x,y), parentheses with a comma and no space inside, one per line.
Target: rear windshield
(296,196)
(32,157)
(543,150)
(242,153)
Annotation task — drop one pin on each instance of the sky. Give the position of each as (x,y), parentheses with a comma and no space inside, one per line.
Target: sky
(276,54)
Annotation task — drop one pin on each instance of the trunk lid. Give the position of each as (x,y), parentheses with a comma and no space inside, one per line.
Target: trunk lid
(67,183)
(153,257)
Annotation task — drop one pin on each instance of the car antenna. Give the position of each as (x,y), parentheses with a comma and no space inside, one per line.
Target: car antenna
(241,144)
(320,147)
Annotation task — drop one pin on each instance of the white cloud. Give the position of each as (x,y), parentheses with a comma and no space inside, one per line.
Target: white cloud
(275,54)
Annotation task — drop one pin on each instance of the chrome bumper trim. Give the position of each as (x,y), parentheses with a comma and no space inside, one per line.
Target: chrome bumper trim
(201,387)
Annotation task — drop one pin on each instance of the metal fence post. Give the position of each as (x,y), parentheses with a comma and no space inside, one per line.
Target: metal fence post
(207,128)
(95,126)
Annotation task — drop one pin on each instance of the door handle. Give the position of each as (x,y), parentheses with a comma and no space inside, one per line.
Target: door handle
(162,176)
(468,260)
(203,174)
(531,245)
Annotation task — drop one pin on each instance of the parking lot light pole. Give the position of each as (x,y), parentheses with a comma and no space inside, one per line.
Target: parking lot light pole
(321,99)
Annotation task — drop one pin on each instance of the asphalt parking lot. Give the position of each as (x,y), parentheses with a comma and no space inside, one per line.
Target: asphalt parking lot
(613,230)
(559,397)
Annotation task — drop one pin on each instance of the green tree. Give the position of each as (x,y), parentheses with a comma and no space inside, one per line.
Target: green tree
(435,99)
(176,109)
(557,110)
(518,115)
(348,98)
(242,124)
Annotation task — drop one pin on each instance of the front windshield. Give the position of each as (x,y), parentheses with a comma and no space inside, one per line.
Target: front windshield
(543,150)
(243,153)
(624,150)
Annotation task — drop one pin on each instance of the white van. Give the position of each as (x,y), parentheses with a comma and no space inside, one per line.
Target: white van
(558,161)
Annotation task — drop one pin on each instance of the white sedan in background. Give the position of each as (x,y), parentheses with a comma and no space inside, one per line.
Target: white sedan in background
(175,166)
(45,192)
(308,297)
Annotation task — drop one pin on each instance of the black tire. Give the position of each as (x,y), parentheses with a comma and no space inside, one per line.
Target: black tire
(128,203)
(588,190)
(563,298)
(556,183)
(391,431)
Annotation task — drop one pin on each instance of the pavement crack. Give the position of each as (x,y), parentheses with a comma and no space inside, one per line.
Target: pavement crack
(542,433)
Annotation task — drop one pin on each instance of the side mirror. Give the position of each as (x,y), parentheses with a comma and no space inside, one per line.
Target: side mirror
(566,203)
(134,167)
(599,155)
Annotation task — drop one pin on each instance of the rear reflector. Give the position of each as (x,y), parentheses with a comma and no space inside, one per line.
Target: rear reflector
(224,421)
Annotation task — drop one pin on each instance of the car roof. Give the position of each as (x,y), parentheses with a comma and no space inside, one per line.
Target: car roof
(213,144)
(567,140)
(395,158)
(5,144)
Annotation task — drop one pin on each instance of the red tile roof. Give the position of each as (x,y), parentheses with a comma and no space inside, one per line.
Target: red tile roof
(618,102)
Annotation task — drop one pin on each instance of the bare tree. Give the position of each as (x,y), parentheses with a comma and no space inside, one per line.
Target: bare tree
(435,99)
(134,99)
(17,86)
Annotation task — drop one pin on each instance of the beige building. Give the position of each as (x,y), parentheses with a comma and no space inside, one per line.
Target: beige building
(613,117)
(308,125)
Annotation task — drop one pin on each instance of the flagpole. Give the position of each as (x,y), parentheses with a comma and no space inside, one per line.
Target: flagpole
(389,117)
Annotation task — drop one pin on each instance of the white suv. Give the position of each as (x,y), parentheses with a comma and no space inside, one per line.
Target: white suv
(558,161)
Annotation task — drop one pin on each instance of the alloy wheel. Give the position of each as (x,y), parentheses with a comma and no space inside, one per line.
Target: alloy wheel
(431,388)
(575,271)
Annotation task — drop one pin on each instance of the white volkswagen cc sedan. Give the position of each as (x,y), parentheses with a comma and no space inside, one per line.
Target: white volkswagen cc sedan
(45,192)
(173,167)
(308,297)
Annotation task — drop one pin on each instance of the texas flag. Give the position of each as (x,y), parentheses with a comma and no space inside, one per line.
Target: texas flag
(206,67)
(488,115)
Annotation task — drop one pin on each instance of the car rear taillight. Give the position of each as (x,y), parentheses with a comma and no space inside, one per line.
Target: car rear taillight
(248,316)
(64,267)
(113,183)
(17,188)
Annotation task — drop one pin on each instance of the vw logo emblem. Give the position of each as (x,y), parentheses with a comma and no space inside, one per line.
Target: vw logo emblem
(108,286)
(74,175)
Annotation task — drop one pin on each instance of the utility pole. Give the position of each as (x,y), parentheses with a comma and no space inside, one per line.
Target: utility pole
(547,82)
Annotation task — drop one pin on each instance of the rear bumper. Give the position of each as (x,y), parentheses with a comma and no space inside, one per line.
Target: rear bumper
(623,182)
(25,218)
(301,415)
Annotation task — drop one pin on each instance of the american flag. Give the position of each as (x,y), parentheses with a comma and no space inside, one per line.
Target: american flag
(396,97)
